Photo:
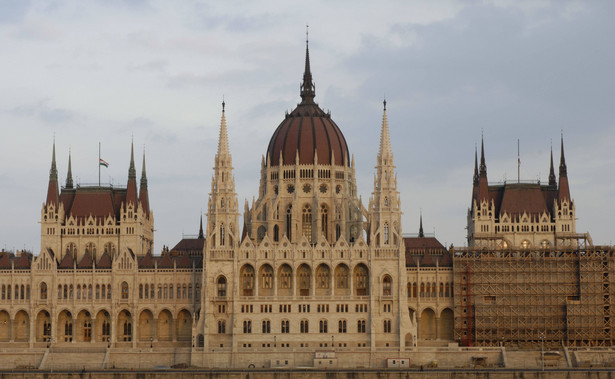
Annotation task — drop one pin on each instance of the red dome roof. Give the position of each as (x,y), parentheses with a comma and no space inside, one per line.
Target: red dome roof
(309,131)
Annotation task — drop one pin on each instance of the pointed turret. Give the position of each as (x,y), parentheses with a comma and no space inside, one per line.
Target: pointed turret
(131,187)
(201,235)
(384,204)
(223,148)
(552,182)
(421,234)
(483,186)
(385,140)
(308,90)
(143,193)
(52,189)
(564,190)
(222,215)
(475,181)
(69,175)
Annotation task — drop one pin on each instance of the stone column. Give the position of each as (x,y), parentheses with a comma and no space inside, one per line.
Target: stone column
(74,330)
(173,329)
(93,330)
(437,327)
(155,333)
(10,329)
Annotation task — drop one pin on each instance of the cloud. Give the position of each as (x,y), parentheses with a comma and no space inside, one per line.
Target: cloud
(13,11)
(42,111)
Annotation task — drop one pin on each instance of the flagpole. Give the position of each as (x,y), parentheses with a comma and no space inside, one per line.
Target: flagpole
(99,164)
(518,163)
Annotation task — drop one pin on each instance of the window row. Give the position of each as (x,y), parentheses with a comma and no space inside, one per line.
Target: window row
(304,326)
(21,292)
(67,292)
(167,291)
(302,280)
(430,289)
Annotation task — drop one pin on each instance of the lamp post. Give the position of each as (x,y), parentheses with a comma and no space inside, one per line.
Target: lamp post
(151,342)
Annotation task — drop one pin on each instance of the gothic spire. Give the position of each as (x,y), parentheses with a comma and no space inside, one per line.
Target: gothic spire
(552,182)
(562,161)
(69,175)
(131,187)
(143,174)
(563,188)
(475,165)
(132,173)
(421,234)
(385,139)
(201,235)
(308,90)
(483,166)
(52,188)
(223,148)
(53,172)
(143,194)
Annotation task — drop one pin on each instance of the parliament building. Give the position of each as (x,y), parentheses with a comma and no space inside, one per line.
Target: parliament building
(310,276)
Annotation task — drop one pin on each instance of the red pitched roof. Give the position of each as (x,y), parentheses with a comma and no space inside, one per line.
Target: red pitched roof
(183,261)
(518,199)
(24,261)
(67,262)
(165,261)
(427,261)
(104,262)
(5,260)
(86,261)
(147,261)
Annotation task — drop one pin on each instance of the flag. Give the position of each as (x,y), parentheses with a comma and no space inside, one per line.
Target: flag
(103,163)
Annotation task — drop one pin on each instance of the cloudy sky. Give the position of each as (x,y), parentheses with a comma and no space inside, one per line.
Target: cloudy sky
(103,71)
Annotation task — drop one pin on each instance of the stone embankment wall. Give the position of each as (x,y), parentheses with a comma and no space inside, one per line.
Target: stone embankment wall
(316,375)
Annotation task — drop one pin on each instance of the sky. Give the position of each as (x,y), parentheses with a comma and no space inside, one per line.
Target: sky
(157,71)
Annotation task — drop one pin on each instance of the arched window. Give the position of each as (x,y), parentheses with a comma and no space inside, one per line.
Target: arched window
(110,248)
(221,326)
(266,326)
(267,277)
(90,248)
(361,280)
(140,291)
(247,326)
(247,280)
(447,290)
(97,291)
(387,326)
(361,326)
(304,277)
(341,277)
(386,285)
(285,326)
(324,221)
(306,222)
(305,326)
(289,222)
(341,326)
(276,233)
(285,277)
(323,277)
(221,286)
(338,231)
(386,233)
(43,291)
(222,233)
(124,291)
(323,326)
(71,249)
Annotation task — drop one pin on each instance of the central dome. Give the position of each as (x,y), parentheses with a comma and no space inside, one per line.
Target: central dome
(308,132)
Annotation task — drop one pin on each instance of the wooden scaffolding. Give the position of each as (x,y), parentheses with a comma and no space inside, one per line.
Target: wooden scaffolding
(523,297)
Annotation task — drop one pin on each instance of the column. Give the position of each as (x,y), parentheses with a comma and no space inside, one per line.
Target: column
(10,330)
(155,333)
(74,330)
(93,330)
(173,329)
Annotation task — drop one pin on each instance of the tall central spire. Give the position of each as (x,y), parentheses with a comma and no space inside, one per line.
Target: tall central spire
(385,140)
(223,148)
(308,90)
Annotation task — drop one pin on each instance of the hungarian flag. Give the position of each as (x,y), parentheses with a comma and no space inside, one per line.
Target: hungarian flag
(103,163)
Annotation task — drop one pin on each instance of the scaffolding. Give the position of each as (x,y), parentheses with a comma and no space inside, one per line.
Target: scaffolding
(521,297)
